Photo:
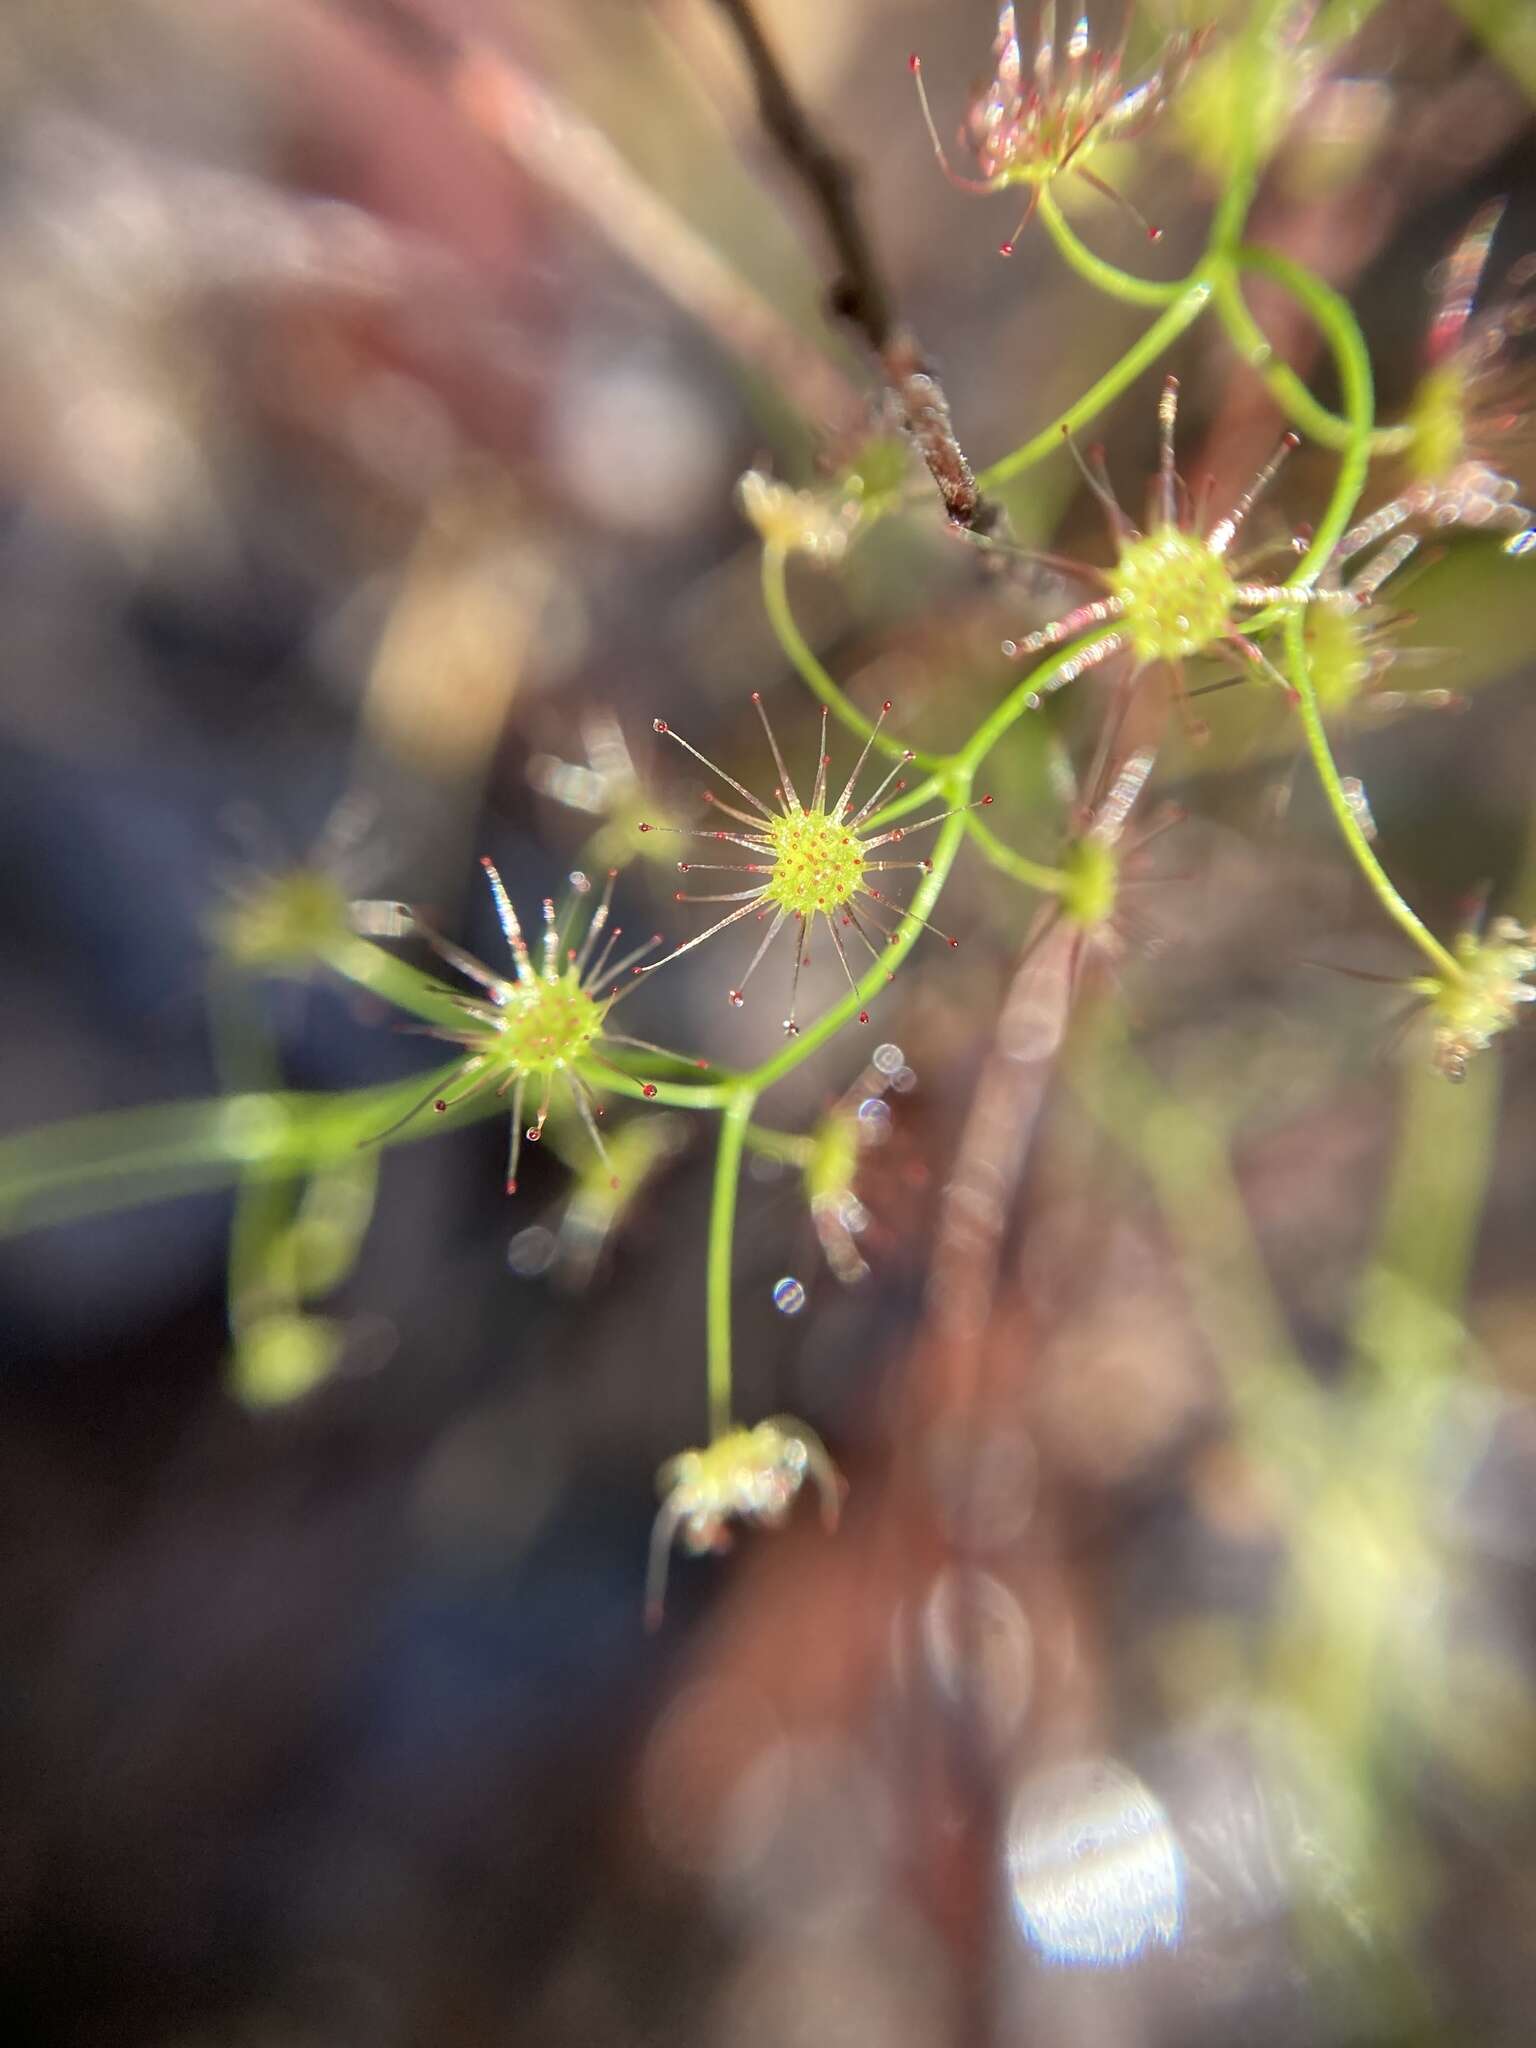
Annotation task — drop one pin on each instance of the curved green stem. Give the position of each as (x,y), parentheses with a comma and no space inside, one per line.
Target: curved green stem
(811,673)
(393,980)
(909,800)
(1141,355)
(1104,277)
(1341,330)
(1305,412)
(1032,873)
(1036,684)
(722,1225)
(1349,826)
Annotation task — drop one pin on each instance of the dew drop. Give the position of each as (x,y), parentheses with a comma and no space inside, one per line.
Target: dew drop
(863,1016)
(660,725)
(440,1105)
(736,998)
(788,1296)
(648,1089)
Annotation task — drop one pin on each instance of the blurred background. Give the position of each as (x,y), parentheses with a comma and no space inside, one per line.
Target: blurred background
(377,376)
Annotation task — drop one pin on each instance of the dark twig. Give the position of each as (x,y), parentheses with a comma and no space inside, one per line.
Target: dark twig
(858,293)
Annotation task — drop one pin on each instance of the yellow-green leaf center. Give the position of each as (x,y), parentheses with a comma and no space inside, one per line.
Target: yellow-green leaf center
(817,863)
(1177,593)
(547,1024)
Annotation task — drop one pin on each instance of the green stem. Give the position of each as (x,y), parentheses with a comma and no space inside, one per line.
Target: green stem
(1245,170)
(1104,277)
(1032,873)
(1037,683)
(1286,387)
(261,1276)
(735,1126)
(722,1224)
(1341,330)
(100,1163)
(675,1094)
(1445,963)
(394,981)
(811,673)
(1408,1334)
(1164,331)
(910,800)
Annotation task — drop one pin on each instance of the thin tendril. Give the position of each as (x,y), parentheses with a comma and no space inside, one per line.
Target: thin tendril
(812,674)
(1348,823)
(1192,301)
(1104,277)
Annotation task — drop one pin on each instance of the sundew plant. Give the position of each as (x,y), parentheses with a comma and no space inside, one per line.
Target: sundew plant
(1194,561)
